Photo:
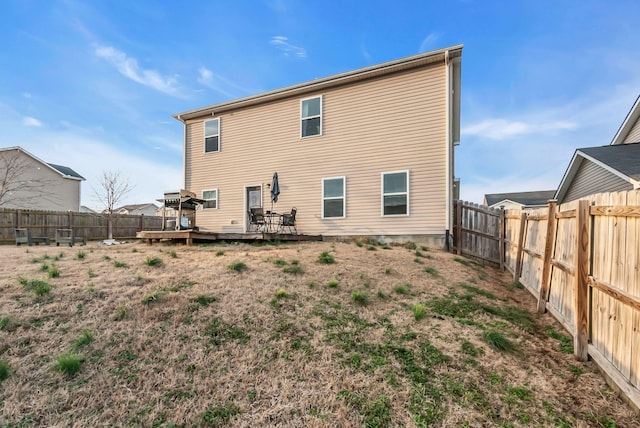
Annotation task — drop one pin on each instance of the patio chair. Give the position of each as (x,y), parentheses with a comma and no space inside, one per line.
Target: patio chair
(289,221)
(256,219)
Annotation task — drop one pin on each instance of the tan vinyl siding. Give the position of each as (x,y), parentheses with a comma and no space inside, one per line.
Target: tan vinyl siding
(49,191)
(592,178)
(379,125)
(634,134)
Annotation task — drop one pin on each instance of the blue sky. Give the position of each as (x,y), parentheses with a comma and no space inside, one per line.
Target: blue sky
(93,84)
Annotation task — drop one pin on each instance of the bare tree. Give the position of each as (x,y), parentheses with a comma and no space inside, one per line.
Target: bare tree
(19,186)
(113,188)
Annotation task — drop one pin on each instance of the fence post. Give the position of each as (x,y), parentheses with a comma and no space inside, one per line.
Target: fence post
(459,224)
(523,228)
(549,246)
(581,338)
(502,237)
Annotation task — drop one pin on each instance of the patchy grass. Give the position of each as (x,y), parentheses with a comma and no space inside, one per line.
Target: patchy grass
(498,341)
(325,258)
(237,266)
(4,370)
(154,261)
(202,346)
(120,264)
(360,297)
(69,364)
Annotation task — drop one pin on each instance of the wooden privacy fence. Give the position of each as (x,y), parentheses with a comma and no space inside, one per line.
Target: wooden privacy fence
(86,225)
(581,260)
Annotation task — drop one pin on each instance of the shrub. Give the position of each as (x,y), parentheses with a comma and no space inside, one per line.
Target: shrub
(153,261)
(237,267)
(325,258)
(69,364)
(360,297)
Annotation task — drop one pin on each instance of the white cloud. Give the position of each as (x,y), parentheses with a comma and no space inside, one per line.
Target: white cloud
(429,42)
(213,81)
(31,121)
(502,129)
(283,44)
(129,68)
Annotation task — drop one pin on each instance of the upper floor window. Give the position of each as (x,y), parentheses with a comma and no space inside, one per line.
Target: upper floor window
(212,135)
(333,197)
(395,193)
(311,116)
(211,198)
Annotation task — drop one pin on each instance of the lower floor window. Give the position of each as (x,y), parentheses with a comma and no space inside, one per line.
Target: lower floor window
(333,197)
(210,198)
(395,193)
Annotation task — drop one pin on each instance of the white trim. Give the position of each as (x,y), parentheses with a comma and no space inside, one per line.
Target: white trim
(449,149)
(204,131)
(382,194)
(343,197)
(627,124)
(245,208)
(302,119)
(20,149)
(217,198)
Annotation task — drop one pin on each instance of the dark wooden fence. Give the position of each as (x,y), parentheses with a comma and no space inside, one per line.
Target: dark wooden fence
(477,232)
(91,226)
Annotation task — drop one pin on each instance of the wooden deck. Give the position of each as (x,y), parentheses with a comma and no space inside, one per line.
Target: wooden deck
(189,236)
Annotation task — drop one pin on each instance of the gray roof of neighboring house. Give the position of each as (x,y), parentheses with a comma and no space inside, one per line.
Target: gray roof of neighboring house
(65,170)
(538,197)
(135,207)
(624,158)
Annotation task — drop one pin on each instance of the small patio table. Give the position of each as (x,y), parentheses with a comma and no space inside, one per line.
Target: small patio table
(272,221)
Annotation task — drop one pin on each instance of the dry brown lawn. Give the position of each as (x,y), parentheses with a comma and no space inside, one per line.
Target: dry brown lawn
(191,342)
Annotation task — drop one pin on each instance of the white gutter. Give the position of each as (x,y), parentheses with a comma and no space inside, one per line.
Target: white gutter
(448,139)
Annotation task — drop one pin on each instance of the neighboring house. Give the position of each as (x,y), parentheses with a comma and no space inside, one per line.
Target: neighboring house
(519,200)
(137,209)
(611,168)
(86,209)
(27,182)
(363,153)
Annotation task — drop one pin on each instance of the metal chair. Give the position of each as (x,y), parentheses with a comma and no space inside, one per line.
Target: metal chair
(289,221)
(256,219)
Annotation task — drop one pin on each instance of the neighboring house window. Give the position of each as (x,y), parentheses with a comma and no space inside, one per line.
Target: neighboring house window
(212,135)
(211,198)
(333,197)
(311,115)
(395,193)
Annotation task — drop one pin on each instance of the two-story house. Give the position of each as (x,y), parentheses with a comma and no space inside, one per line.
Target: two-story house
(369,152)
(27,182)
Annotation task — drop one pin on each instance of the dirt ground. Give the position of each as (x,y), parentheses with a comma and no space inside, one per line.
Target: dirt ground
(242,335)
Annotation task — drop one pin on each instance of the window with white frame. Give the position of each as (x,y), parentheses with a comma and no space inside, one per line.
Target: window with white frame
(395,193)
(212,135)
(311,116)
(333,197)
(210,199)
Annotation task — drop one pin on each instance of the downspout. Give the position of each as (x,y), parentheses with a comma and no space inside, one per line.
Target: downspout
(449,148)
(184,152)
